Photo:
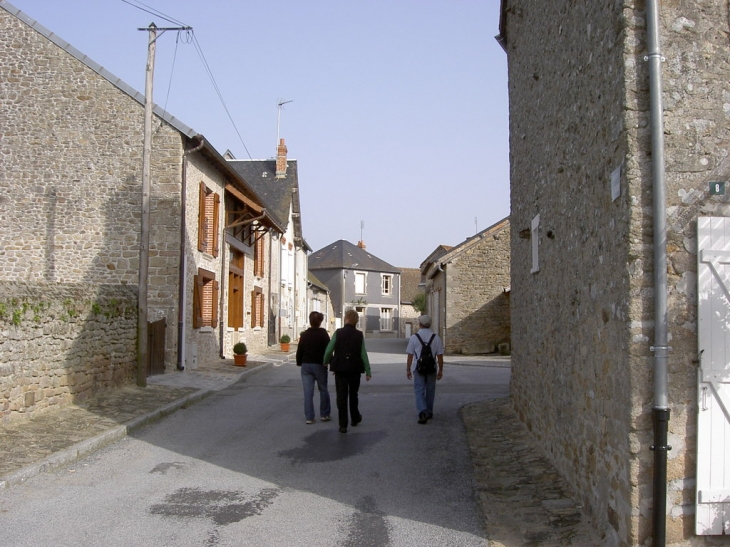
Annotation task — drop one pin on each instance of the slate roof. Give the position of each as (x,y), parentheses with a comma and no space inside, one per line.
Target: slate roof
(344,255)
(316,282)
(277,193)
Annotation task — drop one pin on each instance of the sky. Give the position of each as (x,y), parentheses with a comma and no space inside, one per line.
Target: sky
(395,110)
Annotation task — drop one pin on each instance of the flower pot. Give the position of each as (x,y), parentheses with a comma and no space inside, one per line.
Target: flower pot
(285,347)
(240,360)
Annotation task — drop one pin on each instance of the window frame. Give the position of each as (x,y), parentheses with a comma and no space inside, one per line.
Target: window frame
(364,277)
(205,296)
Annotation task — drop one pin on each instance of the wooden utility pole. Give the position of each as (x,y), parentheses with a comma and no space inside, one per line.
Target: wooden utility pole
(144,243)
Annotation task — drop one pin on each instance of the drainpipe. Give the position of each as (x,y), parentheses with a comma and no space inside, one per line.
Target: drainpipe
(222,295)
(181,266)
(442,303)
(660,347)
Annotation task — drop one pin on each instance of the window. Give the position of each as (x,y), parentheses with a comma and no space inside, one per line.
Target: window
(235,290)
(205,299)
(257,307)
(209,206)
(386,319)
(360,286)
(387,285)
(258,257)
(534,232)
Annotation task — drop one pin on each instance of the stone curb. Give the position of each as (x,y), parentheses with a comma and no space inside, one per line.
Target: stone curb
(84,448)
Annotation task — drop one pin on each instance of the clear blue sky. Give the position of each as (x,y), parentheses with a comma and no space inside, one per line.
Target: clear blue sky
(399,112)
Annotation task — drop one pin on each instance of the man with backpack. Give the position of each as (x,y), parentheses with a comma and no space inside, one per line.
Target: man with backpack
(428,350)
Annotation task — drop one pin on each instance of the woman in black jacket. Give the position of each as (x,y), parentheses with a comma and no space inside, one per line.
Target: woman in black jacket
(310,356)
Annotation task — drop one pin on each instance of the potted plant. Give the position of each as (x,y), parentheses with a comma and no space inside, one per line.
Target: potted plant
(240,354)
(284,341)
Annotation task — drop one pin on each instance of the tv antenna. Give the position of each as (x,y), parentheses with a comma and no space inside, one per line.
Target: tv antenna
(280,107)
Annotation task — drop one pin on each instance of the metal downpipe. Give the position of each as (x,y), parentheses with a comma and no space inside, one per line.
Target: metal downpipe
(660,348)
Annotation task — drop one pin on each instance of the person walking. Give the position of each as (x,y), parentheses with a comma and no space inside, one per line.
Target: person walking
(310,356)
(424,384)
(348,359)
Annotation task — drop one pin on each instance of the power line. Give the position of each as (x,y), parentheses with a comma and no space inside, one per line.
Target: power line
(156,13)
(199,49)
(191,38)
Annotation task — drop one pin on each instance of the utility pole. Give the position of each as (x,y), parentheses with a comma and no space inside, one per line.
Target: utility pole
(144,243)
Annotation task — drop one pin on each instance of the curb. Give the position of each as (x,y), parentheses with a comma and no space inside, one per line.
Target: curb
(84,448)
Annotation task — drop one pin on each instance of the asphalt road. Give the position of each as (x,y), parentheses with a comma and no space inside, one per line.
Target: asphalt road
(242,468)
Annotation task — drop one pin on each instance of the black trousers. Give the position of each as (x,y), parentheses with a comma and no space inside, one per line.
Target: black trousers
(347,385)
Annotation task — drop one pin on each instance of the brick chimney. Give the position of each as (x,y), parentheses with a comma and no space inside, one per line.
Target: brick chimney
(361,244)
(281,159)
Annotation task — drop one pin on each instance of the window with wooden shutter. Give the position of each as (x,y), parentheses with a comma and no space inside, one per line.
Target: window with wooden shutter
(205,299)
(258,257)
(208,219)
(257,308)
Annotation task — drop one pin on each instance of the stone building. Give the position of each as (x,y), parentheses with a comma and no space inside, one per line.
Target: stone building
(590,219)
(410,288)
(70,187)
(277,182)
(319,299)
(467,290)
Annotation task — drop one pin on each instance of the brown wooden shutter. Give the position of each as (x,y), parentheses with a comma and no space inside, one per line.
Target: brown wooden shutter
(260,299)
(258,254)
(254,309)
(197,300)
(201,218)
(214,304)
(215,228)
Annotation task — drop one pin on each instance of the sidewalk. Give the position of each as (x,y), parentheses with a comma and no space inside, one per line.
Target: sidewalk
(524,500)
(60,436)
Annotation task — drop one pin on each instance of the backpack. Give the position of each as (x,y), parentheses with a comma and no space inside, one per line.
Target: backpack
(426,363)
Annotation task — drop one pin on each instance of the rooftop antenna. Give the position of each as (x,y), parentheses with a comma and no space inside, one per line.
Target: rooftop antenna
(476,227)
(362,227)
(280,107)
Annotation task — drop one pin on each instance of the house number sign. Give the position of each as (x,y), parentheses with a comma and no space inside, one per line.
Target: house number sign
(717,188)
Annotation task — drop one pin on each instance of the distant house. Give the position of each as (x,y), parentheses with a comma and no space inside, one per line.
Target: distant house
(70,230)
(361,281)
(467,288)
(410,288)
(276,181)
(319,299)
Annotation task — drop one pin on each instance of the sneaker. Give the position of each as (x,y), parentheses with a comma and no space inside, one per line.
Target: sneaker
(422,419)
(309,421)
(325,418)
(343,430)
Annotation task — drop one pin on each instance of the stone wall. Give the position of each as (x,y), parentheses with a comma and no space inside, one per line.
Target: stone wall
(583,324)
(60,343)
(477,307)
(70,177)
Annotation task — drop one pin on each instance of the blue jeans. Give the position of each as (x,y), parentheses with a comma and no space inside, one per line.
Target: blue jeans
(425,390)
(312,372)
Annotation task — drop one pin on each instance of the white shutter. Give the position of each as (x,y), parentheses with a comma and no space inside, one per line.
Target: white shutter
(713,425)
